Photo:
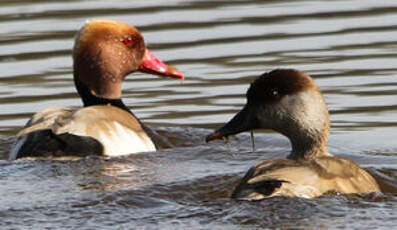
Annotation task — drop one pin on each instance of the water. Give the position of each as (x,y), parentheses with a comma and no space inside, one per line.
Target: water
(349,47)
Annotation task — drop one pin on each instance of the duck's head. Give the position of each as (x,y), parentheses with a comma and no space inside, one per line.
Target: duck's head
(289,102)
(106,51)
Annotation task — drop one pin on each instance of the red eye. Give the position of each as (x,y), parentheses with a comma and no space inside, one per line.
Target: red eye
(128,41)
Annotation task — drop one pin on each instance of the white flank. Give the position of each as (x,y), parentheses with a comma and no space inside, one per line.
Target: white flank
(123,141)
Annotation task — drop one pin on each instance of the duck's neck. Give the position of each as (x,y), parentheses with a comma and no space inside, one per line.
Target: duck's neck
(89,99)
(307,150)
(312,144)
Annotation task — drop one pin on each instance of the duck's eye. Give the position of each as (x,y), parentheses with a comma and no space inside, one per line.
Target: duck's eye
(274,92)
(128,41)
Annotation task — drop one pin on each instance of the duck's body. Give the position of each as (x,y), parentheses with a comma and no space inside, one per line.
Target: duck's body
(304,178)
(94,130)
(105,52)
(289,102)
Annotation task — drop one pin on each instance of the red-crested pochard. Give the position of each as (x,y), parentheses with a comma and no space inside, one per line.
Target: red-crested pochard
(105,51)
(289,102)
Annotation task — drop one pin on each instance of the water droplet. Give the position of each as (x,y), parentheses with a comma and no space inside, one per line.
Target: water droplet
(113,79)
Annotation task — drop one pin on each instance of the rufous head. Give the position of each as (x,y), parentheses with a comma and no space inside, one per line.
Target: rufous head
(106,51)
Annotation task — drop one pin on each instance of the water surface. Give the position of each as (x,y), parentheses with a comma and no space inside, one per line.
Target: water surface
(349,47)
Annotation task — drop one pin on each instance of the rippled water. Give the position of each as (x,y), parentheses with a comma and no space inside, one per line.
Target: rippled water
(349,47)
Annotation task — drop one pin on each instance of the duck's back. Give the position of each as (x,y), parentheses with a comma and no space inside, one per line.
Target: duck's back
(99,130)
(304,178)
(343,175)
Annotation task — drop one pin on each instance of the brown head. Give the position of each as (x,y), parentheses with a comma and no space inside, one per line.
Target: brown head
(289,102)
(105,52)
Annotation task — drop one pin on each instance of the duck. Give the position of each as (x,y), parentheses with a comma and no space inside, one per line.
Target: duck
(105,52)
(289,102)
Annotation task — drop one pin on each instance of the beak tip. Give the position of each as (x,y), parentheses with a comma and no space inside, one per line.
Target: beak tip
(213,136)
(174,72)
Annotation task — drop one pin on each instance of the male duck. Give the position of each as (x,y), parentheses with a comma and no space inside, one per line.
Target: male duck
(105,52)
(289,102)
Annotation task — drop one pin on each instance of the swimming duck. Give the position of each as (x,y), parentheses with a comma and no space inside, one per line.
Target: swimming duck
(105,51)
(289,102)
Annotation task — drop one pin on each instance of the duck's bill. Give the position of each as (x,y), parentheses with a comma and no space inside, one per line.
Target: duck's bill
(242,121)
(151,64)
(214,136)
